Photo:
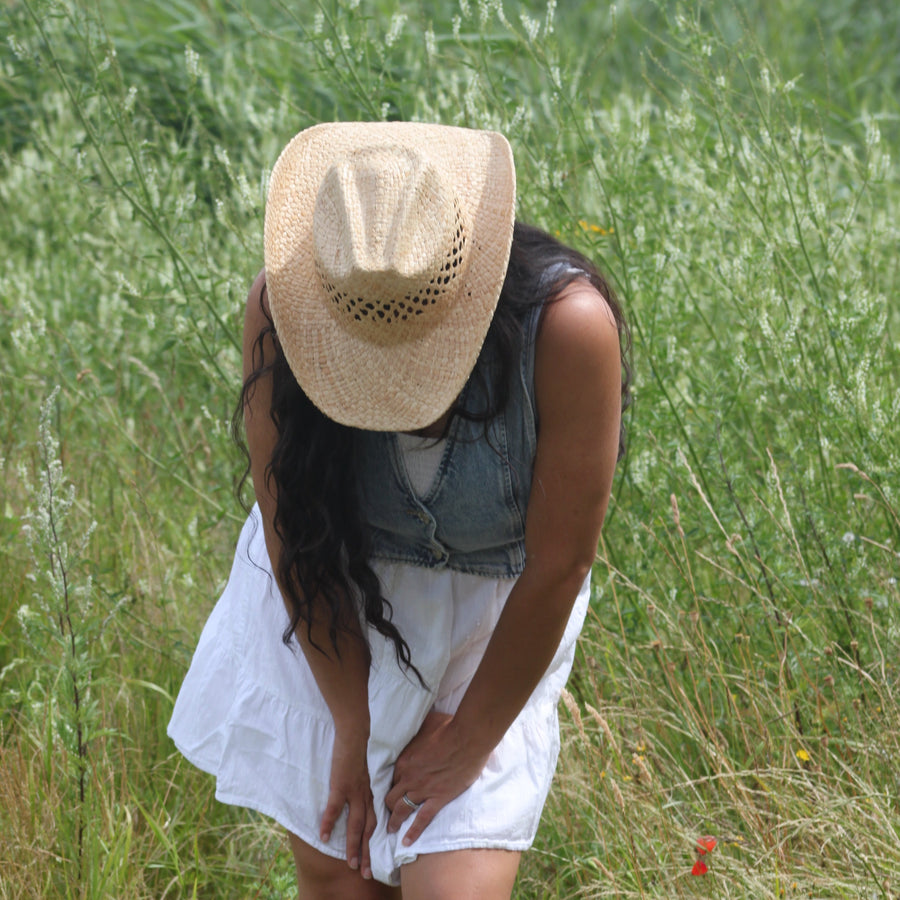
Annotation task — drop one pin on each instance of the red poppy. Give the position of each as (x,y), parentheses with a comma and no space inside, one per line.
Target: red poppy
(700,868)
(705,844)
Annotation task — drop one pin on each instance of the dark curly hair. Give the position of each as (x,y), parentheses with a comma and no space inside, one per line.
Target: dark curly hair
(325,546)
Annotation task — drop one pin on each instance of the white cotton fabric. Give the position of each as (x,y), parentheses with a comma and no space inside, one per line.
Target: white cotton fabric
(250,713)
(421,458)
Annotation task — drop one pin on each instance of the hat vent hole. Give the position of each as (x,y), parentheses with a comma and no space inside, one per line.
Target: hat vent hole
(385,312)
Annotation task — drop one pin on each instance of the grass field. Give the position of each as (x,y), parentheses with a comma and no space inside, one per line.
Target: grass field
(733,167)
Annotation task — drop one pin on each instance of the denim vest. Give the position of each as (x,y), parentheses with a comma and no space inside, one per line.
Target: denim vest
(473,517)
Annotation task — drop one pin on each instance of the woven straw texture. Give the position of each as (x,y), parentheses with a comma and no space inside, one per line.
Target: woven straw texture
(386,246)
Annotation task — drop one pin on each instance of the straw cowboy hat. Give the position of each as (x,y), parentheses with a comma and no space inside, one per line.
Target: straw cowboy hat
(386,246)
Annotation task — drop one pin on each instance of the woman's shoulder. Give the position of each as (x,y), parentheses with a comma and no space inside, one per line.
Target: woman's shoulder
(578,360)
(579,319)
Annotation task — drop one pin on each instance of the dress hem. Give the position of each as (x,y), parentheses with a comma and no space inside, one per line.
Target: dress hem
(405,856)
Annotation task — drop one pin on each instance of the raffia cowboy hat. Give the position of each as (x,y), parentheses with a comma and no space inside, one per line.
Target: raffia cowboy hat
(386,246)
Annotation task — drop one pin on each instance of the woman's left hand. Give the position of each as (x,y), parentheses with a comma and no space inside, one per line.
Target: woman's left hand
(435,767)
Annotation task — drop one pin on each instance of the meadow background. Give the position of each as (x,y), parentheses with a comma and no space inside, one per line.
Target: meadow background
(733,167)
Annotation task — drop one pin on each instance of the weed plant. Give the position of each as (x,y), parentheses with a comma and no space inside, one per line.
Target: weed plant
(733,169)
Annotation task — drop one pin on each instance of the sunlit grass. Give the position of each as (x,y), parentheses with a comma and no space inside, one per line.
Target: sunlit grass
(733,173)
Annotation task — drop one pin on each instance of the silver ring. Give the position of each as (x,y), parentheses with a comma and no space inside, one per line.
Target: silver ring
(410,804)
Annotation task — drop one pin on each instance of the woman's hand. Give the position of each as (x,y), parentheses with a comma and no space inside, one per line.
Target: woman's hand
(435,767)
(350,787)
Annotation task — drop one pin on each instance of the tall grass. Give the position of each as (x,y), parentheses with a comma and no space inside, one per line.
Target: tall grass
(730,167)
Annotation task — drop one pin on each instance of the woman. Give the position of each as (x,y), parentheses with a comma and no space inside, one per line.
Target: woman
(432,406)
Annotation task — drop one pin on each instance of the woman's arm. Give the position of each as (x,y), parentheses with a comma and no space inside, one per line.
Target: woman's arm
(578,392)
(342,675)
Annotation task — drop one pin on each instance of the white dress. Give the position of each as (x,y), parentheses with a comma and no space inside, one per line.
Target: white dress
(250,712)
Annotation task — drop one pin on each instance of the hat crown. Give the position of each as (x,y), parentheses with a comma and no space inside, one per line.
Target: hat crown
(389,241)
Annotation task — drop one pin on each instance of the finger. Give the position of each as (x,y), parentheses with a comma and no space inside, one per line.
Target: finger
(365,866)
(391,797)
(356,824)
(400,810)
(333,809)
(423,819)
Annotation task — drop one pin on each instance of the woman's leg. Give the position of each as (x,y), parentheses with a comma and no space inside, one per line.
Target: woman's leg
(461,875)
(321,877)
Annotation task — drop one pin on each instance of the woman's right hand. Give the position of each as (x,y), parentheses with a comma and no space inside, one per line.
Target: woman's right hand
(350,786)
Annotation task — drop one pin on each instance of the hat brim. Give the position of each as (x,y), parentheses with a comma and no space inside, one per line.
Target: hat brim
(354,381)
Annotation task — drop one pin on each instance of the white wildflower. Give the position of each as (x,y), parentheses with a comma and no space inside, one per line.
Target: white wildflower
(472,95)
(14,45)
(30,330)
(518,118)
(223,158)
(107,60)
(184,202)
(873,132)
(125,285)
(671,348)
(398,20)
(531,26)
(862,379)
(765,326)
(192,62)
(639,470)
(244,190)
(548,21)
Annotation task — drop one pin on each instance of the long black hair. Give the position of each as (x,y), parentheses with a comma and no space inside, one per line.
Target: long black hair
(324,561)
